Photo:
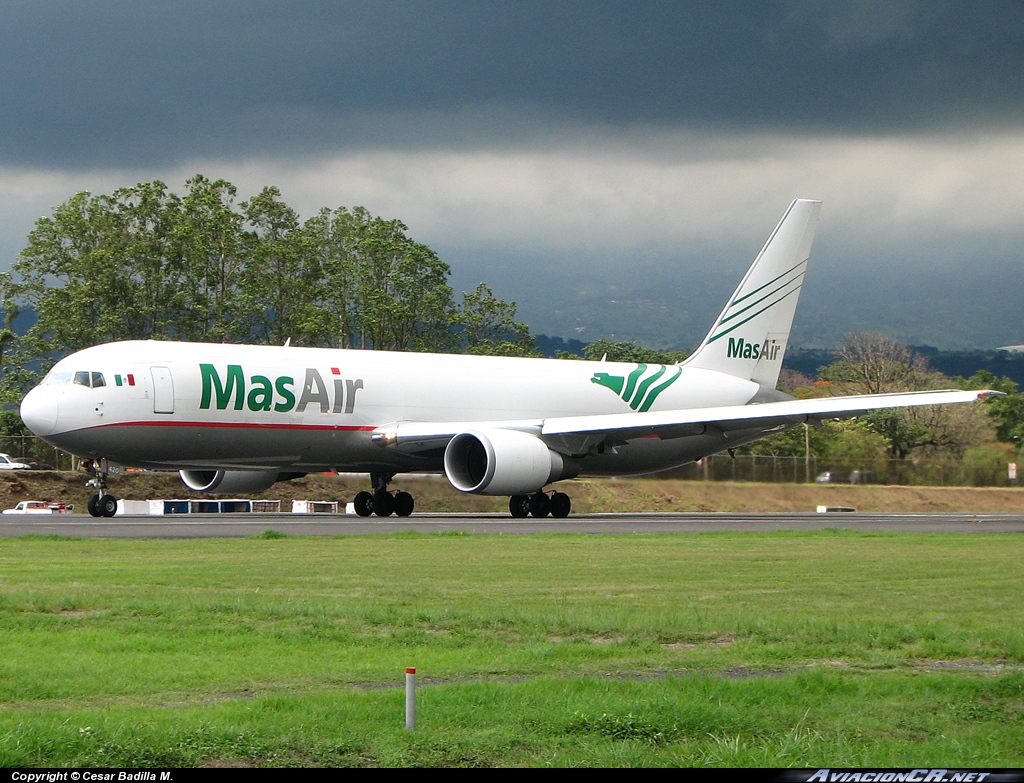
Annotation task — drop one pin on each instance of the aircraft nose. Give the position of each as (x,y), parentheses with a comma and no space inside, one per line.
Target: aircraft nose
(39,411)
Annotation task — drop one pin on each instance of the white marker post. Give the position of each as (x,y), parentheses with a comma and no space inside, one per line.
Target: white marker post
(410,698)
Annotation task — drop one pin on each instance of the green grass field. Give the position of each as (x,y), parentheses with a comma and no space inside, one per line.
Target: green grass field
(777,649)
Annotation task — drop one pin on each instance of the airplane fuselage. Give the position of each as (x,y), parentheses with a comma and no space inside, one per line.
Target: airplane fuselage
(156,404)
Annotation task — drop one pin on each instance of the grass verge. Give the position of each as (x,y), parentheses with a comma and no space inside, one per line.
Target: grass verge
(776,649)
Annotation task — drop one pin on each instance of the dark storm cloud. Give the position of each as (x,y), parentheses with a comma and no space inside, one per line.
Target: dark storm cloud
(129,83)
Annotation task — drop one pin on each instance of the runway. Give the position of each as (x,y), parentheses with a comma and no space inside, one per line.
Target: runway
(241,525)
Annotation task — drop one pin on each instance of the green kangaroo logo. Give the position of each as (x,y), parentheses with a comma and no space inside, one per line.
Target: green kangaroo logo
(640,394)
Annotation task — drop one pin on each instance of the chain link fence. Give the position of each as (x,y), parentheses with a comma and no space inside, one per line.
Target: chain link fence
(799,470)
(36,452)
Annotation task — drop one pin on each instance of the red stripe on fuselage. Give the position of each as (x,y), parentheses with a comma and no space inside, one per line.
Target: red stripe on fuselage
(235,425)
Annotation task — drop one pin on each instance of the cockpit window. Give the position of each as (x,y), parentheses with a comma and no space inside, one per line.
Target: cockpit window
(93,379)
(58,377)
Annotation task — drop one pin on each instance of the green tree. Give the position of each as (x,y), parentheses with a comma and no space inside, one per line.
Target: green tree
(100,268)
(14,378)
(146,263)
(1006,411)
(211,238)
(489,326)
(281,285)
(402,300)
(150,266)
(332,238)
(11,424)
(78,248)
(609,350)
(870,363)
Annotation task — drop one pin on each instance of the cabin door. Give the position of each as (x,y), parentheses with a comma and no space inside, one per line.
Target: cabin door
(163,390)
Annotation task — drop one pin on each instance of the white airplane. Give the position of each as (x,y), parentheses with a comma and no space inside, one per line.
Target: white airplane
(237,418)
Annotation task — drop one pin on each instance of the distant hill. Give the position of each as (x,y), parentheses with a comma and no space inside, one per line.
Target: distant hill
(808,360)
(963,363)
(549,345)
(666,307)
(966,363)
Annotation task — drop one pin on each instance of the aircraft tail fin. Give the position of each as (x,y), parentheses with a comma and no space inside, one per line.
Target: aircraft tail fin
(749,338)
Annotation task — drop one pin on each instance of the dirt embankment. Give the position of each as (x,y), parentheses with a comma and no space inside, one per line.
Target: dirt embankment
(589,495)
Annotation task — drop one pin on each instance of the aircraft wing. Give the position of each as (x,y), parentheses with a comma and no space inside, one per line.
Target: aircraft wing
(422,436)
(669,424)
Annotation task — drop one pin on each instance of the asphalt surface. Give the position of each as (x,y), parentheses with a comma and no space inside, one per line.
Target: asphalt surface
(240,525)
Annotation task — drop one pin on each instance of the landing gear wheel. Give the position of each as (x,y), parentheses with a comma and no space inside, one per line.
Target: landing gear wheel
(540,505)
(101,504)
(519,506)
(561,505)
(383,504)
(363,504)
(403,504)
(380,501)
(107,506)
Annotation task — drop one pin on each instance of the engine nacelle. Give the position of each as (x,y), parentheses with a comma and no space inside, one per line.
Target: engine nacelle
(503,462)
(233,482)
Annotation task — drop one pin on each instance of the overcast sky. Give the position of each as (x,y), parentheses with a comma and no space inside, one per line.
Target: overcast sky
(574,155)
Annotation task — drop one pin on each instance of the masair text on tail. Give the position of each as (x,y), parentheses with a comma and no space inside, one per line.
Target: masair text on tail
(750,336)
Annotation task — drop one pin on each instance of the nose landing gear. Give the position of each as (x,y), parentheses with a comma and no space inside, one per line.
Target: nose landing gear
(102,504)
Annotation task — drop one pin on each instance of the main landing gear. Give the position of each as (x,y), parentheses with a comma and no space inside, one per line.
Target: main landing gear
(102,504)
(382,502)
(540,505)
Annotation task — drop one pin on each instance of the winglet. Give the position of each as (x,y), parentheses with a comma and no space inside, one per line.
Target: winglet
(749,338)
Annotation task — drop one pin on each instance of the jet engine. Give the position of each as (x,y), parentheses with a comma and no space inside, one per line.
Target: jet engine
(233,482)
(503,462)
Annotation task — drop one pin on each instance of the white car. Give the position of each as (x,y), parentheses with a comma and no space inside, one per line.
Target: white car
(6,463)
(40,507)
